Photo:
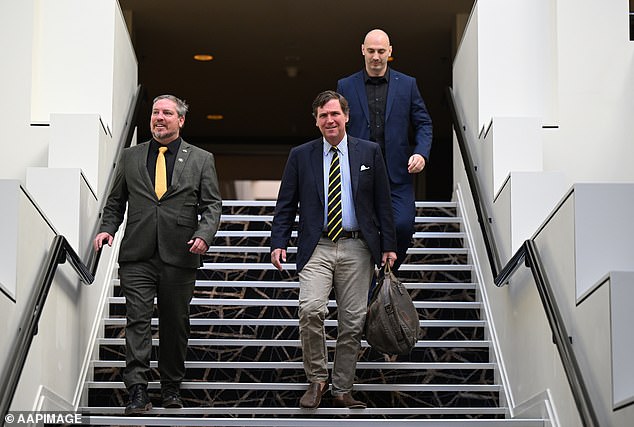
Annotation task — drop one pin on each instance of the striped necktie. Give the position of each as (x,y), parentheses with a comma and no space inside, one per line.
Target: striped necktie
(334,198)
(160,178)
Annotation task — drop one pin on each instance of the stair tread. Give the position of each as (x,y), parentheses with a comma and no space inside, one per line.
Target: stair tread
(293,249)
(299,365)
(228,218)
(267,233)
(244,410)
(242,342)
(121,321)
(291,266)
(310,421)
(217,385)
(293,302)
(295,284)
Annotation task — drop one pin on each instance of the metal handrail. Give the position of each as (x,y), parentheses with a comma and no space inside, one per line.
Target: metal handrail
(528,254)
(474,183)
(126,141)
(59,252)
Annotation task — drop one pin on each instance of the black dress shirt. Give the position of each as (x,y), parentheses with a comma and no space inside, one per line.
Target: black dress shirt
(376,91)
(170,158)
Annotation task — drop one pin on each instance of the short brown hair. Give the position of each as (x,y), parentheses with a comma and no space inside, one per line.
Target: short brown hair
(329,95)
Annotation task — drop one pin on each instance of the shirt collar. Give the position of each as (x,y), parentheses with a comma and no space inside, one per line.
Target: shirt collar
(172,147)
(385,78)
(342,146)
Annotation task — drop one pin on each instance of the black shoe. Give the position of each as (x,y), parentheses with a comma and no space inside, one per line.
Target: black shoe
(171,398)
(139,401)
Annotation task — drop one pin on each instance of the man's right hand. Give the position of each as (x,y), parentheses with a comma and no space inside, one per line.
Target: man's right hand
(277,257)
(99,238)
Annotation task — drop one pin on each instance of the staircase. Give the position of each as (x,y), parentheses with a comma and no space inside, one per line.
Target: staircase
(244,363)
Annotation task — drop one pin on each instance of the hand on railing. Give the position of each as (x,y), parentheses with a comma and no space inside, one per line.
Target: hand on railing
(99,239)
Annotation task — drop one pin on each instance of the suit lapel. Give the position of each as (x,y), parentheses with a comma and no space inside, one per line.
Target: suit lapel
(359,87)
(317,162)
(392,91)
(142,165)
(179,164)
(354,164)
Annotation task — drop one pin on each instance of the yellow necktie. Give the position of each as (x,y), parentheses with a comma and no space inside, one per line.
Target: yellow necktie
(160,177)
(334,198)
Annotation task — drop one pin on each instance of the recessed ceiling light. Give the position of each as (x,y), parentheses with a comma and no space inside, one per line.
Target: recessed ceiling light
(390,58)
(203,57)
(215,117)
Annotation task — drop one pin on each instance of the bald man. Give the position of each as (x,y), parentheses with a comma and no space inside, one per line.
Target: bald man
(385,105)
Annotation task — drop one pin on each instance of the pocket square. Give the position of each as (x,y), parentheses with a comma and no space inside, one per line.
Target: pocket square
(364,168)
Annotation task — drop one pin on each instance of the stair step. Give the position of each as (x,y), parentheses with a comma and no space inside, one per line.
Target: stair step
(229,342)
(293,249)
(223,410)
(271,203)
(229,218)
(292,266)
(267,233)
(290,284)
(260,302)
(295,284)
(299,365)
(309,422)
(121,321)
(206,385)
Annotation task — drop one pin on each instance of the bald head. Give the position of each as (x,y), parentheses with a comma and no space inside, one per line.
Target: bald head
(376,36)
(376,50)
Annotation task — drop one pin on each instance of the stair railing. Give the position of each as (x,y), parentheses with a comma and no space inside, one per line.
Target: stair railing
(483,218)
(528,254)
(59,252)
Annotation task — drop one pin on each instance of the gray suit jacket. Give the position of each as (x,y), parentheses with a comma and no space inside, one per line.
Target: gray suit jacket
(190,208)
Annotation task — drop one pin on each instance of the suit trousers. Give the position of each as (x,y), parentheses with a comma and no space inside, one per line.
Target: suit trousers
(173,287)
(348,266)
(404,207)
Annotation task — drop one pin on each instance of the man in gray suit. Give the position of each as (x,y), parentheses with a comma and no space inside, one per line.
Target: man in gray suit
(171,192)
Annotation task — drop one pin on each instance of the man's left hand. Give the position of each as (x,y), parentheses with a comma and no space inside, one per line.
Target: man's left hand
(416,163)
(198,246)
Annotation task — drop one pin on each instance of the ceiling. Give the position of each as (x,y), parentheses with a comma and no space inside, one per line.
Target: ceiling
(254,42)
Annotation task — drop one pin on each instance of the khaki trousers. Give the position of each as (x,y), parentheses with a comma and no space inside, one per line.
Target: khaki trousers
(346,266)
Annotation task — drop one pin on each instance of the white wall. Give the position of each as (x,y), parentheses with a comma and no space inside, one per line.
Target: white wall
(567,65)
(73,70)
(595,84)
(23,145)
(67,57)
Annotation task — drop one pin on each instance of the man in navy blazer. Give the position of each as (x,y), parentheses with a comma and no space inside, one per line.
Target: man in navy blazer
(385,105)
(347,262)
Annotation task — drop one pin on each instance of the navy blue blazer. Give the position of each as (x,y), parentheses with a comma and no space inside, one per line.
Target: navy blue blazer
(405,108)
(302,190)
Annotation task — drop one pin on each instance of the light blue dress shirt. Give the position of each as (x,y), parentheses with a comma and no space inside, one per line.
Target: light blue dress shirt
(349,219)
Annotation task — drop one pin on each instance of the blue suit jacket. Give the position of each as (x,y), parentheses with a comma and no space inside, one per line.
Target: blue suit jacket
(302,189)
(405,108)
